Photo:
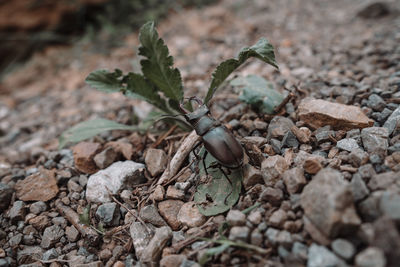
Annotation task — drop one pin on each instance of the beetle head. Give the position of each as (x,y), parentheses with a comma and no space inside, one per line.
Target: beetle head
(194,116)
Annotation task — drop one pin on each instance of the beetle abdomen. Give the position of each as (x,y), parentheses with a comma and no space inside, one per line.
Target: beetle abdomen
(221,143)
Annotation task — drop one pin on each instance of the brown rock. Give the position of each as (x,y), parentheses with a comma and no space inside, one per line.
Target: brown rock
(40,222)
(190,215)
(318,113)
(312,165)
(303,134)
(294,180)
(84,152)
(172,260)
(122,146)
(40,186)
(175,193)
(272,169)
(156,161)
(169,209)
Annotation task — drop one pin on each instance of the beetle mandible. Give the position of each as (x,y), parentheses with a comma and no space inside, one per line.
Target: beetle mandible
(217,139)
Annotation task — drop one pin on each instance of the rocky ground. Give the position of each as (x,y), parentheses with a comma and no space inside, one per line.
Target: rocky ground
(324,179)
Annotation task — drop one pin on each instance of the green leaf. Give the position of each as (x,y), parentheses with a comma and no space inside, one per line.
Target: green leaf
(213,252)
(158,67)
(84,218)
(105,81)
(139,87)
(88,129)
(258,92)
(262,50)
(224,193)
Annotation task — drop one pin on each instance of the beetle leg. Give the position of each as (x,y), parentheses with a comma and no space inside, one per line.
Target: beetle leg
(230,182)
(204,161)
(194,150)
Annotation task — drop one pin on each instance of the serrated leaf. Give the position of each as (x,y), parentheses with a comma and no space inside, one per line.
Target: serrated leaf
(258,92)
(138,87)
(224,193)
(88,129)
(262,50)
(158,67)
(105,81)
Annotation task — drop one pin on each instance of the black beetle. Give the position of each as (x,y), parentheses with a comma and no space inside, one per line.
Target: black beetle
(217,139)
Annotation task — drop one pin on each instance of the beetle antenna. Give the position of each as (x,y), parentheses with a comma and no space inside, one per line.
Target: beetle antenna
(185,111)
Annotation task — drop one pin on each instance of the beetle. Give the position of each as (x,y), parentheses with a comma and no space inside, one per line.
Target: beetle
(217,139)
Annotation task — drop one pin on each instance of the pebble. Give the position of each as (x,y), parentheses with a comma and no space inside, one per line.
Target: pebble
(387,238)
(278,127)
(382,180)
(236,218)
(156,161)
(300,250)
(334,213)
(40,222)
(272,169)
(239,233)
(140,237)
(158,193)
(105,158)
(290,140)
(348,144)
(294,180)
(393,121)
(358,188)
(189,215)
(112,179)
(375,140)
(172,260)
(370,257)
(41,186)
(376,102)
(358,157)
(29,254)
(73,186)
(277,218)
(6,193)
(50,254)
(251,176)
(389,205)
(303,134)
(256,237)
(72,233)
(17,211)
(38,207)
(152,252)
(255,217)
(84,152)
(15,240)
(109,214)
(320,256)
(150,214)
(51,235)
(274,196)
(169,210)
(175,193)
(61,221)
(343,248)
(317,113)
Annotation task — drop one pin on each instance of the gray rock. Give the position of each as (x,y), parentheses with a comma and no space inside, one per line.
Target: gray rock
(239,233)
(272,169)
(51,235)
(358,157)
(324,134)
(118,176)
(177,236)
(72,233)
(15,240)
(50,254)
(320,256)
(358,188)
(61,221)
(156,161)
(294,180)
(327,201)
(366,171)
(140,237)
(6,193)
(150,214)
(300,251)
(393,122)
(153,250)
(105,158)
(278,127)
(389,205)
(382,180)
(284,238)
(236,218)
(29,254)
(376,102)
(38,207)
(343,248)
(256,237)
(271,234)
(370,257)
(290,140)
(251,176)
(73,186)
(387,238)
(348,144)
(354,134)
(375,140)
(274,196)
(109,214)
(369,207)
(17,211)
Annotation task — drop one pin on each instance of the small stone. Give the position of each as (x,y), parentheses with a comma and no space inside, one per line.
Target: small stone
(334,213)
(41,186)
(190,215)
(324,134)
(389,205)
(358,188)
(51,235)
(72,233)
(358,157)
(29,254)
(17,211)
(105,158)
(277,218)
(312,165)
(6,193)
(279,126)
(74,187)
(175,193)
(256,237)
(272,169)
(343,248)
(120,175)
(236,218)
(284,238)
(294,180)
(15,240)
(172,260)
(158,193)
(373,10)
(109,214)
(140,237)
(153,250)
(317,113)
(370,257)
(84,152)
(393,121)
(105,254)
(320,256)
(38,207)
(156,161)
(251,176)
(348,144)
(300,251)
(272,195)
(369,207)
(40,222)
(255,217)
(387,238)
(169,210)
(50,254)
(376,102)
(375,140)
(150,214)
(239,233)
(289,140)
(382,180)
(303,134)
